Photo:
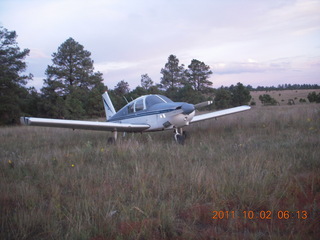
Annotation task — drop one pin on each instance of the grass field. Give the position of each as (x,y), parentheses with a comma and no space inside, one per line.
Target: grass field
(253,175)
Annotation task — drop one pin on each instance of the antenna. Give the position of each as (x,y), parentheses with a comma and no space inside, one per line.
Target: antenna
(125,99)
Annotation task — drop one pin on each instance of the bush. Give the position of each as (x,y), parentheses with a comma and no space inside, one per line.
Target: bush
(266,99)
(314,97)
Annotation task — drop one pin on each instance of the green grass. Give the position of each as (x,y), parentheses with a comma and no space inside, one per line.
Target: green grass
(64,184)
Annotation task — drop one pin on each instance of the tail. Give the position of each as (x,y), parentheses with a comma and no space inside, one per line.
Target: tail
(108,106)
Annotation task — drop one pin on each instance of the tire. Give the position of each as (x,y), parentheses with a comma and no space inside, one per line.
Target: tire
(180,139)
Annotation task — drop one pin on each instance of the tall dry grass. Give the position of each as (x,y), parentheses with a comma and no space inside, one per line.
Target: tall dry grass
(64,184)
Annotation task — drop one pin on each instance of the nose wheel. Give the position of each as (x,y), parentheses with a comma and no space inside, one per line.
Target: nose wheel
(179,136)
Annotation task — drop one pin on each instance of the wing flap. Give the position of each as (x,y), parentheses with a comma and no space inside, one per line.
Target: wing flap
(220,113)
(87,125)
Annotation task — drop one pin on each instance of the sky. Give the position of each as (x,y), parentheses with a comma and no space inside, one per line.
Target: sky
(256,42)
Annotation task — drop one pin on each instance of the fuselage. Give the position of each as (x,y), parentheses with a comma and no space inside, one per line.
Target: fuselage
(158,111)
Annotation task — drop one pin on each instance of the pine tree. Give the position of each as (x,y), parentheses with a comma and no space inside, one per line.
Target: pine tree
(12,82)
(122,88)
(223,98)
(240,95)
(173,74)
(197,75)
(70,83)
(146,82)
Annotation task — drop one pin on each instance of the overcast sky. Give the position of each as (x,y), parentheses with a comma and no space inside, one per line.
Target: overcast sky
(255,42)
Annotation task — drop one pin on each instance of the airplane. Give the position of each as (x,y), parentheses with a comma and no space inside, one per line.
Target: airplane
(148,113)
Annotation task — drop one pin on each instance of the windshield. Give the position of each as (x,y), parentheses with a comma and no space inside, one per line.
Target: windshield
(155,99)
(168,100)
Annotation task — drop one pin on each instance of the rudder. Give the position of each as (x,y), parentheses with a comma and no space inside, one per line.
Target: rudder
(108,106)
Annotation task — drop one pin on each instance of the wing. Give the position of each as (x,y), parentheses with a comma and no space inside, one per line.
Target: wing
(219,113)
(88,125)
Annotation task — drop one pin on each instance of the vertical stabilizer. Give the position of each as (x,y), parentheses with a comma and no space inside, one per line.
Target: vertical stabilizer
(108,106)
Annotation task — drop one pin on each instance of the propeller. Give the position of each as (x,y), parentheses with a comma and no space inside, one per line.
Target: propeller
(187,108)
(203,104)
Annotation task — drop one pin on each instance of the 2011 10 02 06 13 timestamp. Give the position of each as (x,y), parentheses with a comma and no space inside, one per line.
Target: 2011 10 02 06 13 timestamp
(248,214)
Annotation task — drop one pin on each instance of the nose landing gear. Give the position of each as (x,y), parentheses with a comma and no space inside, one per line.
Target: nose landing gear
(179,135)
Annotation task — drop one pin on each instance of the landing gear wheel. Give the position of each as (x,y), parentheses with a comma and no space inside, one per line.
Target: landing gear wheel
(184,134)
(179,135)
(180,139)
(112,140)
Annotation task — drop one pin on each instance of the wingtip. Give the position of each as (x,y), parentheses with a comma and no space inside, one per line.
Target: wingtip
(246,107)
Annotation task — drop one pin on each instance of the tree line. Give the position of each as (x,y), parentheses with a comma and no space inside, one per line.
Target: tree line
(285,87)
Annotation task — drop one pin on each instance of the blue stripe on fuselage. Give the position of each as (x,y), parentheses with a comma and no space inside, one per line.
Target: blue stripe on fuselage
(105,102)
(142,113)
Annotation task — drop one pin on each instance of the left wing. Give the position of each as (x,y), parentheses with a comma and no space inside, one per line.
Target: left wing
(88,125)
(219,113)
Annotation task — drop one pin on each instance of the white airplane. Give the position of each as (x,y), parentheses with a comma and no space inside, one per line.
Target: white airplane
(147,113)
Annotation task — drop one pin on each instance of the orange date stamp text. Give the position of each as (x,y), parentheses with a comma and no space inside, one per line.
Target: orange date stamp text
(267,215)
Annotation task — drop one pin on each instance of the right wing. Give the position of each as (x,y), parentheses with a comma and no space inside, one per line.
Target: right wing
(219,113)
(88,125)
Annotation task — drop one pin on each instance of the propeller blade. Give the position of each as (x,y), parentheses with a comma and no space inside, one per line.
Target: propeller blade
(203,104)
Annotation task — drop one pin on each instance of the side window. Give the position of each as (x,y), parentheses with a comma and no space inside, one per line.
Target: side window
(130,108)
(139,105)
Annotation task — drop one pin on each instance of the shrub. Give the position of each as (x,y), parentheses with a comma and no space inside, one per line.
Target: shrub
(266,99)
(314,97)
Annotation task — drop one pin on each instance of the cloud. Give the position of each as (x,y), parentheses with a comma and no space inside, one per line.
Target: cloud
(300,17)
(130,71)
(38,54)
(249,66)
(294,70)
(114,66)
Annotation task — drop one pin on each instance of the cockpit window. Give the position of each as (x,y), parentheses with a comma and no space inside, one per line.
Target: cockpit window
(155,99)
(152,100)
(130,108)
(165,98)
(139,105)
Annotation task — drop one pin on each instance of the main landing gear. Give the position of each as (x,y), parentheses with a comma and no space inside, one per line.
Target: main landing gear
(179,135)
(112,140)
